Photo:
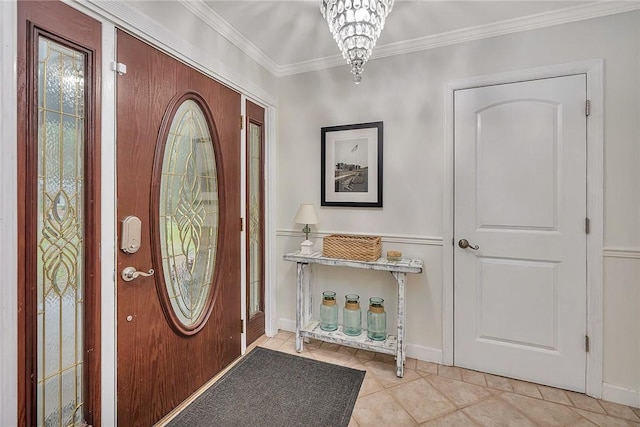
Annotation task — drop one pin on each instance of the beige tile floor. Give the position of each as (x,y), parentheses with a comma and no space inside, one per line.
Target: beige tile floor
(434,395)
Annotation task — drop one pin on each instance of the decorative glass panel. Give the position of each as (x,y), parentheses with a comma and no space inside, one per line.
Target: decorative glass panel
(61,130)
(255,219)
(188,213)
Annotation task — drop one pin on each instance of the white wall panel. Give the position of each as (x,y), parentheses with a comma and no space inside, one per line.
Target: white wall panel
(622,323)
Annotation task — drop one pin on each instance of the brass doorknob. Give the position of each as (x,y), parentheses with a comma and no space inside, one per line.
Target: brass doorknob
(464,244)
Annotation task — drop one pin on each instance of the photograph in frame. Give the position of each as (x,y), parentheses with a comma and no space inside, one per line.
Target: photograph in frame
(351,165)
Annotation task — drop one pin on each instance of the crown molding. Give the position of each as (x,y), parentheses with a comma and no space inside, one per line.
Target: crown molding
(509,26)
(226,30)
(531,22)
(130,19)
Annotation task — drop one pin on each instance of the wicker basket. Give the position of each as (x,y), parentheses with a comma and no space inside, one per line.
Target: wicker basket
(345,246)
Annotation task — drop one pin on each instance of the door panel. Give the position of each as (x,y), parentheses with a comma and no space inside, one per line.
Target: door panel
(529,286)
(255,221)
(59,215)
(520,195)
(505,167)
(160,365)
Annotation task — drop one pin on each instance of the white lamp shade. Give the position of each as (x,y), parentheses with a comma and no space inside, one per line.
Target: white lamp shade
(306,215)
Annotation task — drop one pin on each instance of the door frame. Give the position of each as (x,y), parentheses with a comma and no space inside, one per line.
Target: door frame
(595,203)
(9,217)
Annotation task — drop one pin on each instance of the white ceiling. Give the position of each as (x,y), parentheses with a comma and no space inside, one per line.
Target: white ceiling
(291,36)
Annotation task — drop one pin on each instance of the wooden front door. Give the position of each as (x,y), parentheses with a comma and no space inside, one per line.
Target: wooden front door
(520,196)
(178,169)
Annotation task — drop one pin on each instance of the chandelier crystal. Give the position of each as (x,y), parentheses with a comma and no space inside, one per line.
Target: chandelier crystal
(356,26)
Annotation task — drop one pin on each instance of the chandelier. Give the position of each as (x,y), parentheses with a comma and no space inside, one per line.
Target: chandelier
(356,26)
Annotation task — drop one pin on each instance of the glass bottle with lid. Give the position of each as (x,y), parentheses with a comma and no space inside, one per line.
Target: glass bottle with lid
(352,315)
(376,320)
(328,312)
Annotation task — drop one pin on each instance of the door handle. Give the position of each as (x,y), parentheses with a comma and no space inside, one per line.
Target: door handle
(464,244)
(130,273)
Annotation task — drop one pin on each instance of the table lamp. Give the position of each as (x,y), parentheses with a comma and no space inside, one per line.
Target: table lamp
(306,215)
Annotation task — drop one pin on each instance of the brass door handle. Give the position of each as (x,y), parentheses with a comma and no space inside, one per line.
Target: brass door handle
(464,244)
(130,273)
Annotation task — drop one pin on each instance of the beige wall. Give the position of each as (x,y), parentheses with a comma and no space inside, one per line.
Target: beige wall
(406,93)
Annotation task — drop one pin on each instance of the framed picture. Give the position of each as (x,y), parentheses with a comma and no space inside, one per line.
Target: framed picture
(351,168)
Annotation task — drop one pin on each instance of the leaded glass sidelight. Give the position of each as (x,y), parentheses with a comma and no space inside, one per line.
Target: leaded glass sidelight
(255,219)
(60,234)
(188,213)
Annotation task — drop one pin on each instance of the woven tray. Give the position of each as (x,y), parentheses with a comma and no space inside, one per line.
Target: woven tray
(345,246)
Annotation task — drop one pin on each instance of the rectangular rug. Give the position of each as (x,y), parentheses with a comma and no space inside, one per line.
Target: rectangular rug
(271,388)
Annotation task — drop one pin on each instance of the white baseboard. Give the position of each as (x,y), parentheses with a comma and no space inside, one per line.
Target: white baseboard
(427,354)
(622,395)
(287,325)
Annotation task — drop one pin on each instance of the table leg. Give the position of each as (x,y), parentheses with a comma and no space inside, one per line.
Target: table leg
(400,353)
(299,306)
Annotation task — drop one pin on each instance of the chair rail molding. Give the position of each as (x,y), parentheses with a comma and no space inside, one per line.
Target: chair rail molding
(621,252)
(387,238)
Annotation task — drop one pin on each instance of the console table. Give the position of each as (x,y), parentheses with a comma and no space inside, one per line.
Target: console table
(306,327)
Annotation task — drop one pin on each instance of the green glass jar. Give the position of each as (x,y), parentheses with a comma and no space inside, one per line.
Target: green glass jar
(376,320)
(328,312)
(352,315)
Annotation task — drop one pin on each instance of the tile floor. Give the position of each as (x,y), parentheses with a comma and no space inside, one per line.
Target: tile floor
(434,395)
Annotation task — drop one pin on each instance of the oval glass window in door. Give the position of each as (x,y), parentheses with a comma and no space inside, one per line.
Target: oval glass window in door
(188,218)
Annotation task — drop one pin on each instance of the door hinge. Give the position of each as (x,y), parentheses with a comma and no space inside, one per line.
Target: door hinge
(242,326)
(241,122)
(586,343)
(587,107)
(587,225)
(119,68)
(241,224)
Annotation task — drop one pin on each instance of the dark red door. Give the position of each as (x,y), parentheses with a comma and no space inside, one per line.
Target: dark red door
(188,204)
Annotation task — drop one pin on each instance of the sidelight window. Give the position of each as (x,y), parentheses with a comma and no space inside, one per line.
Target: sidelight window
(60,234)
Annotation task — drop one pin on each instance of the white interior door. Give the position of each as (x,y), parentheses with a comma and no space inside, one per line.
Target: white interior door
(520,195)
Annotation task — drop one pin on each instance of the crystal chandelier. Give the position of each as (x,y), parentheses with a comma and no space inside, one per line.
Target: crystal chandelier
(356,26)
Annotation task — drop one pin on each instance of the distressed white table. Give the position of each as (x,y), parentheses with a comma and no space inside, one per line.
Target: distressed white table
(306,327)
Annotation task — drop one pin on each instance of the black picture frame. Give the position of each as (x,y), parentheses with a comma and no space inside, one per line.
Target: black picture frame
(351,165)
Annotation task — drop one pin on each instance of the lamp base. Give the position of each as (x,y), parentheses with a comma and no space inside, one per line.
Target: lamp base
(306,247)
